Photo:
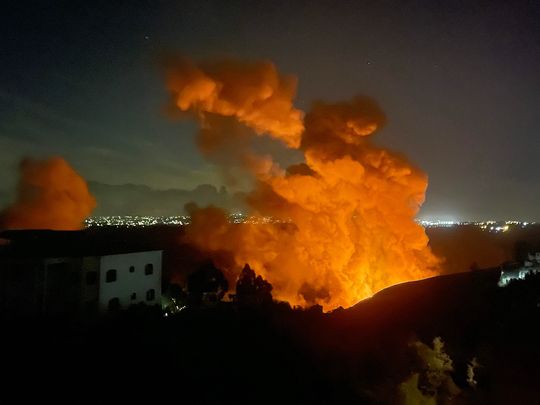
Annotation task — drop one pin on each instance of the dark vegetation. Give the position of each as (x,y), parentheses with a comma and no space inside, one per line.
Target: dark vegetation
(254,350)
(257,351)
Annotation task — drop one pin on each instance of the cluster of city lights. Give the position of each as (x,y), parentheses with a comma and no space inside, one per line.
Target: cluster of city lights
(143,221)
(436,223)
(136,221)
(240,218)
(490,226)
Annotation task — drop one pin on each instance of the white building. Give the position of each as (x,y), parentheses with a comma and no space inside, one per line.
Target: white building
(127,279)
(77,280)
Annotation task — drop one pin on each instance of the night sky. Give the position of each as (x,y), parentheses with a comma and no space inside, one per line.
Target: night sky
(458,80)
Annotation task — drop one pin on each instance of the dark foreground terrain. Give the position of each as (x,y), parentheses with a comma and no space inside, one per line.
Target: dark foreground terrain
(381,351)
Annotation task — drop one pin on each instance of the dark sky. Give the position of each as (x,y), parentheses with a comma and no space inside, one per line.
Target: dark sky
(459,81)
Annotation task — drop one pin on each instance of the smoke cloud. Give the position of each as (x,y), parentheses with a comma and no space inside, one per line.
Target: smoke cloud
(343,224)
(50,195)
(253,93)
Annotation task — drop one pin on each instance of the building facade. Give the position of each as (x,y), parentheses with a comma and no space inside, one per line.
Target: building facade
(127,279)
(79,286)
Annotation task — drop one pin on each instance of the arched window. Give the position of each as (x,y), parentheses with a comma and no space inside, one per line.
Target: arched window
(131,269)
(150,295)
(110,276)
(149,269)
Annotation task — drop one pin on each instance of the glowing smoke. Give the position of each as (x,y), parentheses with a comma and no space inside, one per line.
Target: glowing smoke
(50,195)
(347,213)
(253,93)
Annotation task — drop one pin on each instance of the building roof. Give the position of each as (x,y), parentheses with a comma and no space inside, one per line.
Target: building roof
(84,243)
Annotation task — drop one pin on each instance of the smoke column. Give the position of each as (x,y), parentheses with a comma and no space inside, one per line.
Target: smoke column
(252,93)
(345,215)
(50,195)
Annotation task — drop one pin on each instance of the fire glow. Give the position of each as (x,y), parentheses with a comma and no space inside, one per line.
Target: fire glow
(349,207)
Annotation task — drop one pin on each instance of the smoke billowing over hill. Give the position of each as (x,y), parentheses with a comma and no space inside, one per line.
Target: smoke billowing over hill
(349,207)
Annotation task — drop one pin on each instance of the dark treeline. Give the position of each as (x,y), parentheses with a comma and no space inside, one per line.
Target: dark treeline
(255,350)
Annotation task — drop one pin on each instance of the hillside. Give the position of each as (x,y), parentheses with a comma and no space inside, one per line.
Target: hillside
(229,354)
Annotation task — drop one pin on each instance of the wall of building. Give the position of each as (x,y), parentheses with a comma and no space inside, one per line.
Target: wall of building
(21,287)
(132,285)
(62,286)
(90,279)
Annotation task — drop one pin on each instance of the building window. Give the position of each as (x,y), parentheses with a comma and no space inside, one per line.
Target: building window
(134,296)
(91,277)
(114,304)
(149,269)
(132,269)
(110,276)
(150,295)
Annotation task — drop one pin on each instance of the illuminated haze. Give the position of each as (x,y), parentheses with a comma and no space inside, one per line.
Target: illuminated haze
(458,82)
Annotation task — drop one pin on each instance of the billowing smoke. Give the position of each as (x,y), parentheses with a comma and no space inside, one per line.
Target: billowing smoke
(344,218)
(253,93)
(50,195)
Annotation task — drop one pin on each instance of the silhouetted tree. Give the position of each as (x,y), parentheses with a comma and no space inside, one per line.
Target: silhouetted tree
(522,250)
(315,310)
(176,292)
(251,289)
(174,297)
(208,279)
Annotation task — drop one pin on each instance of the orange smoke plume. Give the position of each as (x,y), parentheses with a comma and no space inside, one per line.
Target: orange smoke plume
(253,93)
(50,195)
(343,220)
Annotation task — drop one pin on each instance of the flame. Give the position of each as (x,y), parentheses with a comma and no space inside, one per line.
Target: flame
(346,214)
(51,195)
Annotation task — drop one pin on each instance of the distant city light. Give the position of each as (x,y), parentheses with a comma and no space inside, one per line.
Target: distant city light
(137,221)
(489,226)
(241,218)
(143,221)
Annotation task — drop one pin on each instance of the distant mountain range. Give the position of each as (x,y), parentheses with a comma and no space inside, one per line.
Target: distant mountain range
(137,199)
